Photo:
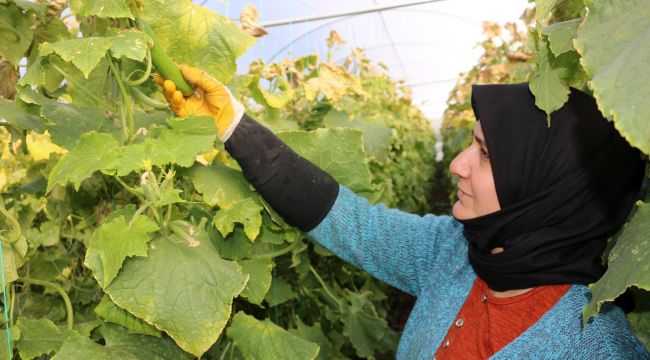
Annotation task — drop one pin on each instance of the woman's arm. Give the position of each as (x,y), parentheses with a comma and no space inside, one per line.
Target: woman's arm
(398,248)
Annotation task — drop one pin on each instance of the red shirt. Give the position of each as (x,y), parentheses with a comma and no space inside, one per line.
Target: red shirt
(485,323)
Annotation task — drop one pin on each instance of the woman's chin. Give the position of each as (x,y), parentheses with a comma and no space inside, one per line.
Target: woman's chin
(459,212)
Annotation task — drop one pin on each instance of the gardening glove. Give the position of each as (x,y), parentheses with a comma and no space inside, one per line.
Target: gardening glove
(210,98)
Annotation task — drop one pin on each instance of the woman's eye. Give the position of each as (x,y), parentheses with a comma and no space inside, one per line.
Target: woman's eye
(484,153)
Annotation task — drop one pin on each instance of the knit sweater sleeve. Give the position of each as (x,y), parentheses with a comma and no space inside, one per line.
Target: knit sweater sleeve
(401,249)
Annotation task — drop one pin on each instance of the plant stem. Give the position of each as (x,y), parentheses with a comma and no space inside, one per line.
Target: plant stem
(276,253)
(327,290)
(140,210)
(125,96)
(83,89)
(144,76)
(128,188)
(58,289)
(12,293)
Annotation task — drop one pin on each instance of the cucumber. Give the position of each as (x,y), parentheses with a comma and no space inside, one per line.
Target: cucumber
(164,63)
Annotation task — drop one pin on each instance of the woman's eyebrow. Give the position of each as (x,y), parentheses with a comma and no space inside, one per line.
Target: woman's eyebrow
(480,141)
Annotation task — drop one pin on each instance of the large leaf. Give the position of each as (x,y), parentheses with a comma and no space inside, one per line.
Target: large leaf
(93,152)
(337,151)
(362,325)
(21,115)
(376,138)
(108,311)
(246,212)
(264,340)
(118,239)
(181,288)
(550,91)
(120,345)
(84,53)
(561,35)
(130,43)
(628,263)
(613,42)
(197,36)
(38,337)
(259,281)
(15,33)
(69,121)
(220,185)
(179,145)
(640,317)
(6,351)
(315,334)
(101,8)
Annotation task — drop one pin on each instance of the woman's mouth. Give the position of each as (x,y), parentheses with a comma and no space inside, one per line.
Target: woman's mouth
(461,193)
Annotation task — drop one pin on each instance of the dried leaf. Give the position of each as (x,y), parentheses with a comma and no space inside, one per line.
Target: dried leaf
(8,78)
(334,39)
(249,23)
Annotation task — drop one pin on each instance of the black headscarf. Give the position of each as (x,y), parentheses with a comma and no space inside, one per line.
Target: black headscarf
(563,189)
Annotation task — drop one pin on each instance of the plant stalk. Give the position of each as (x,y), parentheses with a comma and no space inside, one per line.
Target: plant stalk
(57,288)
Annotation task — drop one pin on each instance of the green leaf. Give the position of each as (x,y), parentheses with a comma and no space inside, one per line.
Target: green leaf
(264,340)
(550,91)
(315,334)
(129,43)
(337,151)
(81,347)
(234,247)
(627,265)
(276,100)
(280,292)
(39,337)
(640,317)
(117,240)
(101,8)
(19,114)
(184,290)
(195,35)
(362,325)
(220,185)
(376,138)
(613,41)
(47,265)
(120,345)
(15,33)
(544,8)
(561,35)
(179,145)
(93,152)
(38,8)
(246,212)
(47,235)
(69,121)
(14,332)
(124,346)
(108,311)
(84,53)
(259,281)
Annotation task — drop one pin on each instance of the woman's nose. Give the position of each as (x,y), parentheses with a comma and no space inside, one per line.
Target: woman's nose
(459,166)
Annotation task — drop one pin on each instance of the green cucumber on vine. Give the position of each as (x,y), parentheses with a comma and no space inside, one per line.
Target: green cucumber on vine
(164,63)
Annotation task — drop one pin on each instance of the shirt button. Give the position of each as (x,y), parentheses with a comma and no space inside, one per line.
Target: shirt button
(459,322)
(446,345)
(483,298)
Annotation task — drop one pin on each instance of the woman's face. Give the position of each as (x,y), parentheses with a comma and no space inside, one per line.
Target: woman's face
(477,194)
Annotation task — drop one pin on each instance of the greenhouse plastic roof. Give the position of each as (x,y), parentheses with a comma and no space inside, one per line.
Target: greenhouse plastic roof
(427,45)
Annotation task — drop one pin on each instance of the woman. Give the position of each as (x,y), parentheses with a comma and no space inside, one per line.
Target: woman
(505,276)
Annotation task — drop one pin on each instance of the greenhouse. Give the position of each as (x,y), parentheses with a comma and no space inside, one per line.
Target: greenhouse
(297,179)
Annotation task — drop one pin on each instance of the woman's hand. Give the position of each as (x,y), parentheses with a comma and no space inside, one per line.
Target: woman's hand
(210,98)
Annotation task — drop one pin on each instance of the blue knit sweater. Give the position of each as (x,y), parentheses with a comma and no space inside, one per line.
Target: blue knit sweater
(427,256)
